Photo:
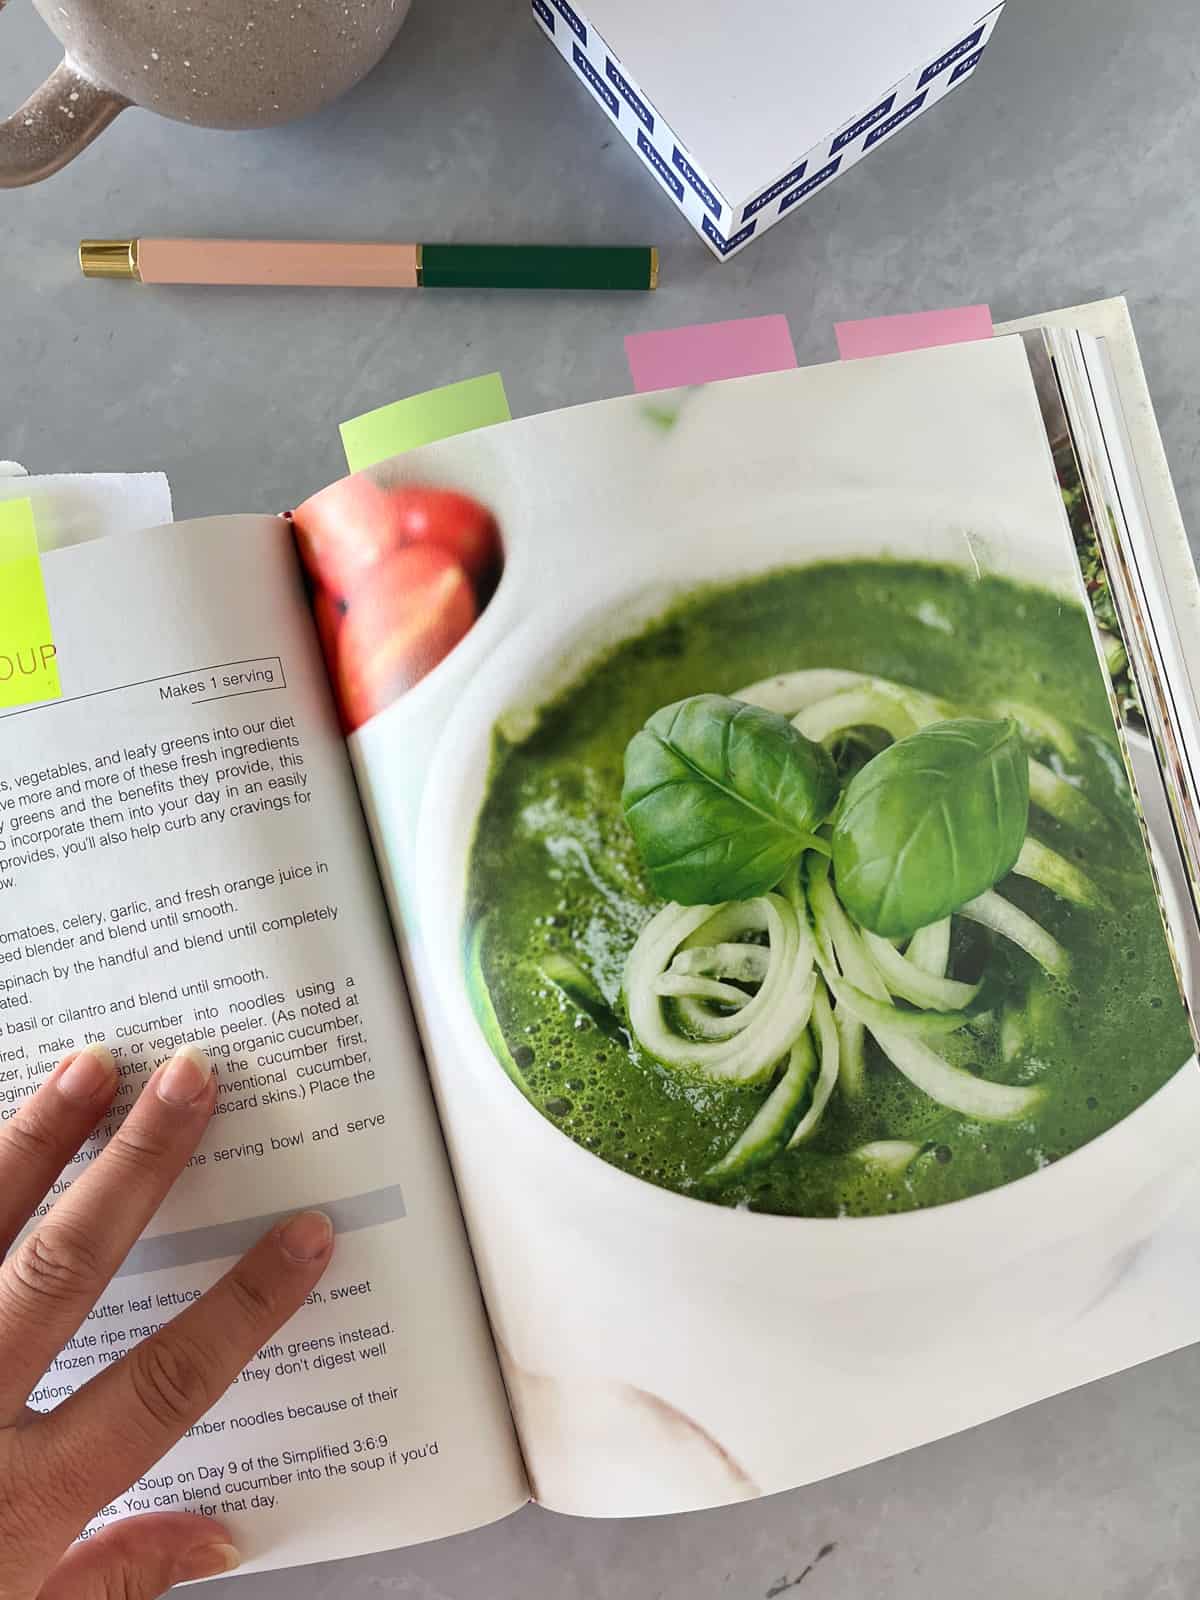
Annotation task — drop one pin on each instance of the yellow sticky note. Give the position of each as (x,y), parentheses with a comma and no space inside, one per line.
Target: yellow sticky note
(423,419)
(28,665)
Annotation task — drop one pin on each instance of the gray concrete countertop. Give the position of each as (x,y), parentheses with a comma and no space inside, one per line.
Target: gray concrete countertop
(1064,172)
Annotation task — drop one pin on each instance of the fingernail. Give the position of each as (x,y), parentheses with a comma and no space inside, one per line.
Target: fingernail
(185,1077)
(307,1236)
(209,1561)
(89,1074)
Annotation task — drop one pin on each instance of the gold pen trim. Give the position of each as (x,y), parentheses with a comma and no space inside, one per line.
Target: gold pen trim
(109,258)
(653,267)
(419,254)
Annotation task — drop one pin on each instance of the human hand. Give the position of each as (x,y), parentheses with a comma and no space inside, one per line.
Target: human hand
(57,1470)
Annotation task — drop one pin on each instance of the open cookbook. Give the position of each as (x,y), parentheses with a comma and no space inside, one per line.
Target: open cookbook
(704,890)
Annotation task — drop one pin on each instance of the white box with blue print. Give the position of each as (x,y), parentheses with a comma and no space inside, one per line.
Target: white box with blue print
(743,111)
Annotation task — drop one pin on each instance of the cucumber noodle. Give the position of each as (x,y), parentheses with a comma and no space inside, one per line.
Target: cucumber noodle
(782,989)
(745,1044)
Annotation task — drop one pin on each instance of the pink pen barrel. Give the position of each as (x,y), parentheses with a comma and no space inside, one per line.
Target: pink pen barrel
(297,263)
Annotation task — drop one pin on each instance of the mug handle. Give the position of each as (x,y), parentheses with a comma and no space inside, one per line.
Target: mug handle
(57,121)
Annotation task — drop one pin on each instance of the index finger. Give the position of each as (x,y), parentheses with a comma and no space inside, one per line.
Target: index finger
(55,1275)
(114,1428)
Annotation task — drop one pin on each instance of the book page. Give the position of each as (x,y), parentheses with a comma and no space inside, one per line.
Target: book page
(183,858)
(785,946)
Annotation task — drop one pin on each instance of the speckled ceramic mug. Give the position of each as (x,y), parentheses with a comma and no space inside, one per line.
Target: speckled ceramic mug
(216,63)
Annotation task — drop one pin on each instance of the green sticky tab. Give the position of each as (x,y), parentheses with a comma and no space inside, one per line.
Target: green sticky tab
(28,668)
(423,419)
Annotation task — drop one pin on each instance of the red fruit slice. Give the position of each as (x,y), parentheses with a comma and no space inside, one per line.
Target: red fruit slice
(344,531)
(416,607)
(347,529)
(454,521)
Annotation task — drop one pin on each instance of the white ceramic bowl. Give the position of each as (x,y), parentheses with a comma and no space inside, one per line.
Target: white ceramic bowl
(730,1314)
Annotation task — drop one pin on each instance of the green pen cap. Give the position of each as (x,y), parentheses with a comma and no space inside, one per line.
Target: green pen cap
(519,266)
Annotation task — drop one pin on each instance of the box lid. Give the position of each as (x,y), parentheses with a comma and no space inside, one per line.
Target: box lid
(751,85)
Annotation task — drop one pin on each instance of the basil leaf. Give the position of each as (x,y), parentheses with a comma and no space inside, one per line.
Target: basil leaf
(722,797)
(930,822)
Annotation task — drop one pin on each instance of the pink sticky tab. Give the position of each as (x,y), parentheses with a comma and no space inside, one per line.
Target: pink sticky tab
(916,330)
(675,358)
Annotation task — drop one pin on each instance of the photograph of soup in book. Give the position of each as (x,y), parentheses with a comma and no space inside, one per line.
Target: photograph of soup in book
(779,906)
(782,925)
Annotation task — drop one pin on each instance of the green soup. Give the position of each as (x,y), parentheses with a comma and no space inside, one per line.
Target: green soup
(556,884)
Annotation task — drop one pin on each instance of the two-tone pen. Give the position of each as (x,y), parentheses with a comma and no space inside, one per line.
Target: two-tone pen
(315,263)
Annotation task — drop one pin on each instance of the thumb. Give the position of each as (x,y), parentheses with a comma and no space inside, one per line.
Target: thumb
(141,1558)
